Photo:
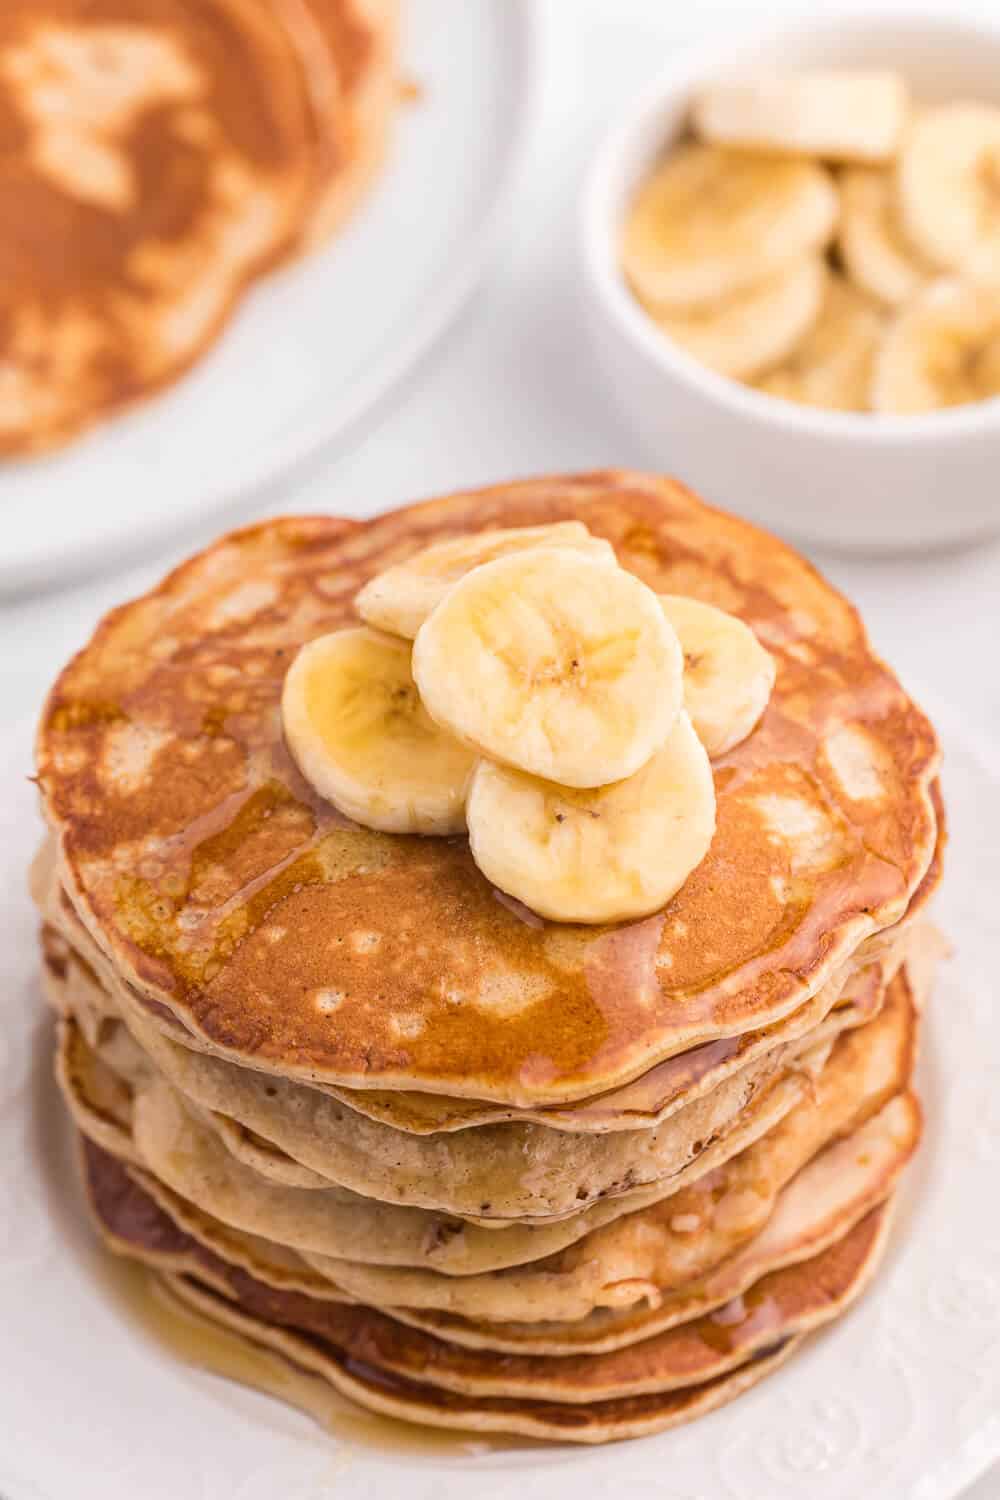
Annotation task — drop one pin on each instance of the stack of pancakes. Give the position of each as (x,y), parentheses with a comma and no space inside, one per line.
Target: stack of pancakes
(409,1140)
(158,158)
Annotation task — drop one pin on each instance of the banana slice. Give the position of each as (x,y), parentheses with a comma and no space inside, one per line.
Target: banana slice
(842,116)
(360,735)
(949,188)
(942,350)
(728,676)
(753,329)
(872,245)
(554,662)
(400,599)
(832,366)
(603,855)
(710,223)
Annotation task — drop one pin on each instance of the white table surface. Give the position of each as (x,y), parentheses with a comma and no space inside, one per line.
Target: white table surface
(510,394)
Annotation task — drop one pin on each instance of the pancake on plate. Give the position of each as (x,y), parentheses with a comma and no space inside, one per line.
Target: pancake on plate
(158,158)
(401,1135)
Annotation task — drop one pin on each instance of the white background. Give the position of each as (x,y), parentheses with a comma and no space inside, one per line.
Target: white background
(512,392)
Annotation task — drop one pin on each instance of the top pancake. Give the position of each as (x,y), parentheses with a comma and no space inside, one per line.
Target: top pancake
(280,935)
(156,159)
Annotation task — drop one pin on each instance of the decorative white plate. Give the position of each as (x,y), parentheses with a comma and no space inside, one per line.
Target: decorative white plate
(317,347)
(900,1401)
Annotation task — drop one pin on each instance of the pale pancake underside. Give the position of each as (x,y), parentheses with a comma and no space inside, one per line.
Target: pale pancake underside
(634,1256)
(254,1100)
(297,1193)
(666,1374)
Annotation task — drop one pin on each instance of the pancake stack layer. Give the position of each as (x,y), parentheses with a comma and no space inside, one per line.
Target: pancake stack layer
(409,1140)
(158,158)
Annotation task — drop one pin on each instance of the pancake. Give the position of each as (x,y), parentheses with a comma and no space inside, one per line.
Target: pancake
(784,1302)
(787,1303)
(155,163)
(858,987)
(832,1193)
(125,1213)
(338,1222)
(359,37)
(643,1255)
(656,1094)
(638,1256)
(347,1338)
(213,880)
(393,1133)
(502,1173)
(278,1112)
(491,1175)
(410,1401)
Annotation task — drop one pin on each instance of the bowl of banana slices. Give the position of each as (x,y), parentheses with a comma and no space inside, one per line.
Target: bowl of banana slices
(791,253)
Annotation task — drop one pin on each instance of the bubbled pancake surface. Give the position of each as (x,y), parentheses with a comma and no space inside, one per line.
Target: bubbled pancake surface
(729,1187)
(286,1110)
(287,938)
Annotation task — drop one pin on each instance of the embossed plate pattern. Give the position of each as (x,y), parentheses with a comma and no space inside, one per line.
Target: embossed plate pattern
(900,1400)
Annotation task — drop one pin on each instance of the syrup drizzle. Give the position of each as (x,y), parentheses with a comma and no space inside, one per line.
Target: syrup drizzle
(204,1345)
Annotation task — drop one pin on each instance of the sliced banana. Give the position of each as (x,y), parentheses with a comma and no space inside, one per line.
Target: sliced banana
(728,676)
(354,723)
(754,329)
(839,115)
(400,599)
(554,662)
(875,252)
(710,223)
(543,844)
(832,366)
(949,188)
(942,350)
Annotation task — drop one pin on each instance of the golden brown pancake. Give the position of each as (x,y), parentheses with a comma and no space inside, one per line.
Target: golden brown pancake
(156,160)
(300,1360)
(195,1169)
(236,902)
(779,1305)
(359,37)
(640,1255)
(269,1109)
(398,1136)
(378,1350)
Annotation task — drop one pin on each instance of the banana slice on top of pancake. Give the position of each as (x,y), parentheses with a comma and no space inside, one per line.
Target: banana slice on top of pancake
(555,663)
(354,722)
(400,599)
(542,843)
(728,676)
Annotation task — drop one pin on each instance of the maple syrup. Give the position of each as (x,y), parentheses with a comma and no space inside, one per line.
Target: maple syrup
(207,1346)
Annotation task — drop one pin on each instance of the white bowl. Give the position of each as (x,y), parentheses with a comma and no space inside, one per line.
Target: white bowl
(846,480)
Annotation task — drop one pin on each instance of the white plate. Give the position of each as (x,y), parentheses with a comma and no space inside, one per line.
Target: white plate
(315,348)
(900,1400)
